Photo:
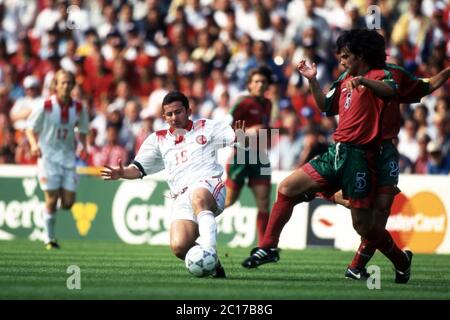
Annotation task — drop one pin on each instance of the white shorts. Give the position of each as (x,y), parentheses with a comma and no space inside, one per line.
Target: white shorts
(53,176)
(183,210)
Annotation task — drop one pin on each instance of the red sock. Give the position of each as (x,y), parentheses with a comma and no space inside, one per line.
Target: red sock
(280,215)
(383,241)
(365,252)
(261,223)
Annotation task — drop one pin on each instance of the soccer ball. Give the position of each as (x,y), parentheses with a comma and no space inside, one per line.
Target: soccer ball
(201,262)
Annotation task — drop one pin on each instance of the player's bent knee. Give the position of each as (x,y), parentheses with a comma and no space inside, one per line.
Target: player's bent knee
(199,205)
(179,250)
(202,200)
(286,189)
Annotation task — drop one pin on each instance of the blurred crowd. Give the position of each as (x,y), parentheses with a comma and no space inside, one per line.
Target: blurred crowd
(126,55)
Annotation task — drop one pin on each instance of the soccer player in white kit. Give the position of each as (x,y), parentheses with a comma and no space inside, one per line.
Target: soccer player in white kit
(51,133)
(187,150)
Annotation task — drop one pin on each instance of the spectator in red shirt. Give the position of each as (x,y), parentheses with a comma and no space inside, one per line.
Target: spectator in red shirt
(112,151)
(24,59)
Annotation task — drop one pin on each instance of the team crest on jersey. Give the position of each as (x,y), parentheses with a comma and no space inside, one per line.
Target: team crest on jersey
(201,139)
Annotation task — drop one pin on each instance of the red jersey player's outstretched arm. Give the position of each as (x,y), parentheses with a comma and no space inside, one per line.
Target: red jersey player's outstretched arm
(439,79)
(310,72)
(379,88)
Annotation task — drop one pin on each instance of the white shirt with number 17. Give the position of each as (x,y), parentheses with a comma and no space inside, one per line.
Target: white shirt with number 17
(55,123)
(188,158)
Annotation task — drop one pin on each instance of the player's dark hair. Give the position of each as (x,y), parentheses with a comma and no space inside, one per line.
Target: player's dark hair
(364,43)
(175,96)
(262,70)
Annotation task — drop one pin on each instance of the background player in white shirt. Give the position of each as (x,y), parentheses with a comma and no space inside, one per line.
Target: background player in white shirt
(187,150)
(53,123)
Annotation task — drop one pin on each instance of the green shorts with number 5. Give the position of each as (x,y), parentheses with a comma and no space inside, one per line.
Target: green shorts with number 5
(347,167)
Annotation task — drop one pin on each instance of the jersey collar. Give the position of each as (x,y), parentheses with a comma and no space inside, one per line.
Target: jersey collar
(180,138)
(64,109)
(62,104)
(188,127)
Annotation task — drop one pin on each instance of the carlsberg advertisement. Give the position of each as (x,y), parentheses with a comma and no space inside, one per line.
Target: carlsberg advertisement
(135,212)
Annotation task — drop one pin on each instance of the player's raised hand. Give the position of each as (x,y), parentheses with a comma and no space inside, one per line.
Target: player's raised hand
(241,137)
(112,173)
(309,72)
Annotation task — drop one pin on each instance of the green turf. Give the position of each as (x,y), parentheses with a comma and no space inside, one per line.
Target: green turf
(111,270)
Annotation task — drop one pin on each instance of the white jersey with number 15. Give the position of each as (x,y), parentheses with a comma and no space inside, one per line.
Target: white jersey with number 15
(189,158)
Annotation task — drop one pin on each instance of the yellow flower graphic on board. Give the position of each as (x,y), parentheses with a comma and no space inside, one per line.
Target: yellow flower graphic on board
(84,214)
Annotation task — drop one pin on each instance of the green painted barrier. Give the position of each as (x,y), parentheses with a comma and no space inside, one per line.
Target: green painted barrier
(135,212)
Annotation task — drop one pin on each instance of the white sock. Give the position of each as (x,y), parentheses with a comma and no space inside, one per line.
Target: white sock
(49,226)
(207,228)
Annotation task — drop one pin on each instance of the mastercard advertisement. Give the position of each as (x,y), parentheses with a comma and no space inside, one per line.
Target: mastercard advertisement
(419,218)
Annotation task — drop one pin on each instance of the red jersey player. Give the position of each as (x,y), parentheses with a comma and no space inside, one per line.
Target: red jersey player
(358,97)
(255,110)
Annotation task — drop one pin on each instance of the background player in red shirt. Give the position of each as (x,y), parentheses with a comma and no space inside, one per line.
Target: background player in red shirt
(255,110)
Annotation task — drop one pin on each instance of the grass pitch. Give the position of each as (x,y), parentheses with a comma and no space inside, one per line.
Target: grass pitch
(111,270)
